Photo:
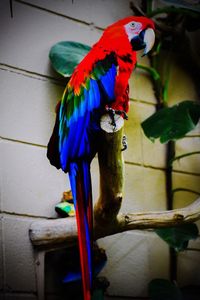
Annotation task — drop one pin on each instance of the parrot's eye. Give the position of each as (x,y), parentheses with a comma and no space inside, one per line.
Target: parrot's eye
(132,24)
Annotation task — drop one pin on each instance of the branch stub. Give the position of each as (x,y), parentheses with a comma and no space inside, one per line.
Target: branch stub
(106,123)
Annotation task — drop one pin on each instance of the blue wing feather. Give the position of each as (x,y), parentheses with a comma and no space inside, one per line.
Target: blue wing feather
(74,140)
(108,82)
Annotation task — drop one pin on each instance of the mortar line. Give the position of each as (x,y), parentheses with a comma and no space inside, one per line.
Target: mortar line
(31,74)
(142,101)
(59,14)
(23,142)
(161,168)
(4,212)
(126,162)
(186,172)
(43,77)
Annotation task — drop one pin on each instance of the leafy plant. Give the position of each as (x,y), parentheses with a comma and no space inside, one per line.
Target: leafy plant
(172,123)
(178,237)
(162,289)
(66,55)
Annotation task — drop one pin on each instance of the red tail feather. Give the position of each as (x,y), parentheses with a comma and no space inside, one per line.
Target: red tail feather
(84,226)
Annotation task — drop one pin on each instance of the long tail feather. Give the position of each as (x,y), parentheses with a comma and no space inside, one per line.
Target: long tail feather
(80,180)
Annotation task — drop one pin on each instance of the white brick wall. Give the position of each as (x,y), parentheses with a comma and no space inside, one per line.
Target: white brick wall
(29,36)
(26,101)
(19,273)
(100,13)
(132,262)
(30,187)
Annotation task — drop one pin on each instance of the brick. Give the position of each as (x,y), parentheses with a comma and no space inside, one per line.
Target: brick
(98,8)
(39,186)
(28,37)
(195,131)
(144,189)
(188,265)
(181,86)
(140,149)
(140,83)
(133,261)
(138,182)
(30,184)
(189,163)
(29,114)
(18,252)
(183,198)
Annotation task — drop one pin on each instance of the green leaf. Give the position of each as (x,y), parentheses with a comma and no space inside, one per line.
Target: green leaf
(175,10)
(152,71)
(184,4)
(178,237)
(98,294)
(172,123)
(162,289)
(66,55)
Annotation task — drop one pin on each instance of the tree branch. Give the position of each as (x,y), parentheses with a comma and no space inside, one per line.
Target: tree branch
(55,231)
(111,167)
(107,221)
(160,219)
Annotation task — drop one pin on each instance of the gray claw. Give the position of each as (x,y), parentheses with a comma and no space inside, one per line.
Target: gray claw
(124,143)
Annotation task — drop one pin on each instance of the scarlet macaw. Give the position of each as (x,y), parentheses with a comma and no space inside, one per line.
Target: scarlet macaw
(98,83)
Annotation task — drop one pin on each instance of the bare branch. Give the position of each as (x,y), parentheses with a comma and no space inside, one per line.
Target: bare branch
(162,219)
(107,221)
(55,231)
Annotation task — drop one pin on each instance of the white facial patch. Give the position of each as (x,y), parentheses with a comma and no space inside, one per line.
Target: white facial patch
(133,29)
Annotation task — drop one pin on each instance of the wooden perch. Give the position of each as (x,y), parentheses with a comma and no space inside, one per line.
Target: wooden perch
(107,221)
(54,231)
(111,168)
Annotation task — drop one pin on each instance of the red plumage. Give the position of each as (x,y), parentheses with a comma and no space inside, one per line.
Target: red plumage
(113,40)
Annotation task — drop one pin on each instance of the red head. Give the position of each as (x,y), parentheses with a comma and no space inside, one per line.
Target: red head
(146,22)
(138,30)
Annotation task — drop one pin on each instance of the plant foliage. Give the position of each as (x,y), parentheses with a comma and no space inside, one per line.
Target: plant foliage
(178,237)
(66,55)
(172,123)
(164,289)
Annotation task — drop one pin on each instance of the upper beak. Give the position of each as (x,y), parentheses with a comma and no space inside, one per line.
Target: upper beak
(149,39)
(145,40)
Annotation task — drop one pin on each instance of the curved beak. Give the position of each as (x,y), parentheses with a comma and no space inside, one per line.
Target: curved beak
(149,39)
(145,40)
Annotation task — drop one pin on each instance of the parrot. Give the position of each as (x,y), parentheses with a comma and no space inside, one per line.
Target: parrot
(98,85)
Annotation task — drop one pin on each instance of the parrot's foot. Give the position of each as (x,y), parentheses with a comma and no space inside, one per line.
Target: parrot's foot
(124,143)
(112,112)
